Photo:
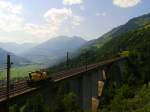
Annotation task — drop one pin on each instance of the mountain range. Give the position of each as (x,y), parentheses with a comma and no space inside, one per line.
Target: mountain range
(132,24)
(118,39)
(53,50)
(48,52)
(16,60)
(17,48)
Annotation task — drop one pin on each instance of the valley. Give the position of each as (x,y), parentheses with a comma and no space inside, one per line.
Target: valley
(46,67)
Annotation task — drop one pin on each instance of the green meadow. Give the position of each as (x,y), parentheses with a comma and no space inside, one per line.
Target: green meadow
(20,72)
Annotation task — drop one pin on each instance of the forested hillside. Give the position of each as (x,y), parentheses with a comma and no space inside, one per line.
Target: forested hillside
(133,40)
(133,95)
(137,22)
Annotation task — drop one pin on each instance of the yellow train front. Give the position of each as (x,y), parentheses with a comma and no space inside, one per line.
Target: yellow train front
(124,53)
(37,77)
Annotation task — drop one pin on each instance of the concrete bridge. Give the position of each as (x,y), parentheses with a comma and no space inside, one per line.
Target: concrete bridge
(86,82)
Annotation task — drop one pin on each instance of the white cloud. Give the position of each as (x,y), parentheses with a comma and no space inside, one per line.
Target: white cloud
(76,20)
(10,16)
(13,21)
(40,31)
(72,2)
(101,14)
(126,3)
(10,23)
(55,19)
(58,16)
(82,8)
(8,7)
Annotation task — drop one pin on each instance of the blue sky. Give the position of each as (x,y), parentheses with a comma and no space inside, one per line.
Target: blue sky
(39,20)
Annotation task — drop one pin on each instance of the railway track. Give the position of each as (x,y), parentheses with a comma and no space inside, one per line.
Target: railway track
(15,88)
(76,71)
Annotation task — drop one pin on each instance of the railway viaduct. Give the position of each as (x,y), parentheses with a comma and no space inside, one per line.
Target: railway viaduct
(87,82)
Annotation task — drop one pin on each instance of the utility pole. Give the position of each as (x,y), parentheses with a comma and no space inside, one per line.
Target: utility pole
(86,60)
(8,80)
(67,61)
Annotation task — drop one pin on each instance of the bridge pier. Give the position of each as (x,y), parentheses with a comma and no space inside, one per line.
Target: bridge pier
(93,83)
(100,86)
(90,89)
(76,87)
(95,78)
(86,91)
(95,104)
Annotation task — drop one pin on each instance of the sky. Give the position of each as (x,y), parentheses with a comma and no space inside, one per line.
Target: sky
(36,21)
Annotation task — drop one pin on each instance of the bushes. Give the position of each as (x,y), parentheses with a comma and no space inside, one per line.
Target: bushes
(66,103)
(70,103)
(35,104)
(129,100)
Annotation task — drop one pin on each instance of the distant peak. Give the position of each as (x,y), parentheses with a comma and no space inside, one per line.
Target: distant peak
(59,38)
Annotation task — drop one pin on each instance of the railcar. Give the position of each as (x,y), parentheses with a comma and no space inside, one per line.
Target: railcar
(37,77)
(124,54)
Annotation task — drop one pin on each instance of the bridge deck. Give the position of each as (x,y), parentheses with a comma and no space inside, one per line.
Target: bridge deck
(77,71)
(23,88)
